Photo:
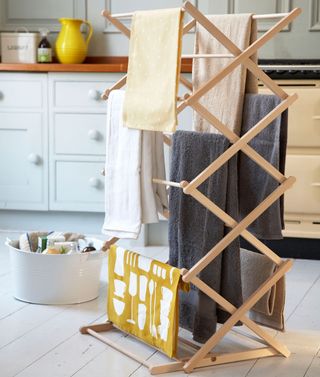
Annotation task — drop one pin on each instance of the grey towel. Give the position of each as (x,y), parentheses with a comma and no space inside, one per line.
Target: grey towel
(256,268)
(254,183)
(193,230)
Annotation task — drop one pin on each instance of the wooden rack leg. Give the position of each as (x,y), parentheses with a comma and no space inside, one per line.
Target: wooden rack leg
(226,305)
(99,327)
(215,359)
(236,316)
(107,244)
(118,348)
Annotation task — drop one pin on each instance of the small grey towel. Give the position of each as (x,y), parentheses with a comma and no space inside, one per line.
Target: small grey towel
(194,230)
(254,183)
(256,268)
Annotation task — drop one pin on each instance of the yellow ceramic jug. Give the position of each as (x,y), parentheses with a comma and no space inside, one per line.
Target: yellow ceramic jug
(71,47)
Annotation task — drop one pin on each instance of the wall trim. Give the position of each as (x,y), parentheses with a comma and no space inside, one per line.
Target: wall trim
(314,15)
(79,10)
(109,28)
(281,6)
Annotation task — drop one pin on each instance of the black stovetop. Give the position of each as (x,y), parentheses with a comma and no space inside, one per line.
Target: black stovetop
(285,69)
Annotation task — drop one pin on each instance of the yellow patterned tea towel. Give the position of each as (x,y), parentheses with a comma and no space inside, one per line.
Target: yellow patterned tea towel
(153,70)
(143,298)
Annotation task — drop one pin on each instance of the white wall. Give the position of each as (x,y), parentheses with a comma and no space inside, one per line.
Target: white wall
(302,40)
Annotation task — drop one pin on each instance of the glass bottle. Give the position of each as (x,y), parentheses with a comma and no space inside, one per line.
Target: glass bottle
(44,48)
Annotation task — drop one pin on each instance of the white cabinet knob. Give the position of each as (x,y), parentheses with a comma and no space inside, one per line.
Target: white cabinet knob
(34,158)
(94,94)
(94,182)
(102,172)
(94,134)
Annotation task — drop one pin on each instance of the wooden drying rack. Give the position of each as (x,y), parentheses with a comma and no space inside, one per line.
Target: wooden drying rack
(203,357)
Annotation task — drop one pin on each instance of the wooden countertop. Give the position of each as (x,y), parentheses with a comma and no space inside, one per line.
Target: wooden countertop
(91,64)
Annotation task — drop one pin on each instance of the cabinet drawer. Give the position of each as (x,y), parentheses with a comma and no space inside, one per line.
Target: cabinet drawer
(79,134)
(22,93)
(304,117)
(304,196)
(78,186)
(79,94)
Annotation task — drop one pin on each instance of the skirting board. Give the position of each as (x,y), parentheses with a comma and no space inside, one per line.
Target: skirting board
(89,223)
(299,248)
(289,247)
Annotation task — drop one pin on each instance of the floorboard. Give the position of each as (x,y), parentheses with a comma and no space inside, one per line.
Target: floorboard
(43,340)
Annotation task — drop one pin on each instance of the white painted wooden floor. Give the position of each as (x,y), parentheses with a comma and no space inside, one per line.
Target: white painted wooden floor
(37,340)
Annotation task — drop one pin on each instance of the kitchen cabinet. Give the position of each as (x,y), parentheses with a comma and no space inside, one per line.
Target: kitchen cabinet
(77,145)
(302,201)
(52,145)
(52,140)
(23,141)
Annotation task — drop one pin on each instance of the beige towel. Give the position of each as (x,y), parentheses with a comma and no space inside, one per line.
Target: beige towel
(154,198)
(153,70)
(225,100)
(256,269)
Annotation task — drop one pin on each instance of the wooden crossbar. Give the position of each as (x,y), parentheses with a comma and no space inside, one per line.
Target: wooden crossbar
(242,56)
(203,355)
(236,231)
(231,223)
(226,305)
(122,28)
(237,315)
(241,143)
(226,42)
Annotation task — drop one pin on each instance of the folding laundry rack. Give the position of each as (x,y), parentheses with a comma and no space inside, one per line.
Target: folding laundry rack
(203,357)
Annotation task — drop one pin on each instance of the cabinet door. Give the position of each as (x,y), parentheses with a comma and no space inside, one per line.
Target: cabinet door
(23,172)
(304,196)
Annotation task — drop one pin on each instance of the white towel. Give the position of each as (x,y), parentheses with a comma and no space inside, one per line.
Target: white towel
(133,158)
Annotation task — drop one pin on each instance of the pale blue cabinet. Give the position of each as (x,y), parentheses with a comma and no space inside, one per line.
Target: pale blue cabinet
(23,142)
(77,144)
(52,140)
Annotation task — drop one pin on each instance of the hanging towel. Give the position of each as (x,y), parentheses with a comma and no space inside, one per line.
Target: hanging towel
(154,198)
(256,268)
(254,183)
(133,158)
(225,100)
(143,298)
(194,230)
(153,70)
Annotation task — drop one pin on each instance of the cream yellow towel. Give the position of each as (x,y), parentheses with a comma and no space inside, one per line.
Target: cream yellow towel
(153,70)
(225,100)
(143,298)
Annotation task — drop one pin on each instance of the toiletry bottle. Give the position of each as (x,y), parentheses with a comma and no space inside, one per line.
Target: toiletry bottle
(44,48)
